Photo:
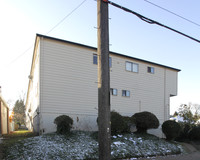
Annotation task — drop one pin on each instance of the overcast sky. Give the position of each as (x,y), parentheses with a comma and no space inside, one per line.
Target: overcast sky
(129,35)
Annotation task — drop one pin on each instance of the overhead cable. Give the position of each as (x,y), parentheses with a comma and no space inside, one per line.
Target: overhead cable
(173,13)
(48,31)
(67,16)
(150,21)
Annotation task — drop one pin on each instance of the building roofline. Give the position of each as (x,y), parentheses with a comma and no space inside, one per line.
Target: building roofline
(122,55)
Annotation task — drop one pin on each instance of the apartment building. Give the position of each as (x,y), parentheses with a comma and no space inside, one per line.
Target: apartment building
(63,80)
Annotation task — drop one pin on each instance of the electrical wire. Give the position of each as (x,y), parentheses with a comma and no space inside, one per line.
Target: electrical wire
(26,51)
(66,16)
(150,21)
(20,55)
(173,13)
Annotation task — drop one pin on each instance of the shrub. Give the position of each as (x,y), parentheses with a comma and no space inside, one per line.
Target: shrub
(144,121)
(171,129)
(184,134)
(118,124)
(127,126)
(64,124)
(194,133)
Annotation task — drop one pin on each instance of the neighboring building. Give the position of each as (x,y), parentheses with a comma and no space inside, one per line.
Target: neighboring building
(63,80)
(4,116)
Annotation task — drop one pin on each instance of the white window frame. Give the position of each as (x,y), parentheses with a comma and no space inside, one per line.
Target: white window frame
(113,91)
(126,93)
(132,67)
(151,70)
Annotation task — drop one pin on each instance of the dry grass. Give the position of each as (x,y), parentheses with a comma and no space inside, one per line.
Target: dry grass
(12,138)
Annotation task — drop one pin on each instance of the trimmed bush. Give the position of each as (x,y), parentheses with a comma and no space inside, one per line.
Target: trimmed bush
(171,129)
(127,126)
(144,121)
(64,124)
(118,124)
(194,133)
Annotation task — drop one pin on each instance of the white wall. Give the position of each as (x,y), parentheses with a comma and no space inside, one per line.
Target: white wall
(68,85)
(4,118)
(32,102)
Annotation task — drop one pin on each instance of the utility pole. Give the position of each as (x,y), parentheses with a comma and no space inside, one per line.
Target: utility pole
(103,81)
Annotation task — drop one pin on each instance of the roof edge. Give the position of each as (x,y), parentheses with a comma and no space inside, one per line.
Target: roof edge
(119,54)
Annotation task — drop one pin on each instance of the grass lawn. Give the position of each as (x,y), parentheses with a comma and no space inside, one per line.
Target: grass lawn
(84,145)
(10,140)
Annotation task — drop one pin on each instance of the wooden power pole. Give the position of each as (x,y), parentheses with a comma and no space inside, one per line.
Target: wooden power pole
(103,81)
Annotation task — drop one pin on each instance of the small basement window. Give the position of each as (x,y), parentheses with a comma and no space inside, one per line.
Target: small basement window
(150,70)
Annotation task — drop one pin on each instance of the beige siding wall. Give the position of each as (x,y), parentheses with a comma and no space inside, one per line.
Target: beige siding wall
(32,103)
(68,82)
(80,122)
(147,90)
(68,85)
(68,79)
(171,82)
(4,118)
(170,89)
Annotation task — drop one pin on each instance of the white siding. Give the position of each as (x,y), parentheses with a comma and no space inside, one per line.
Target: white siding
(32,102)
(68,85)
(147,90)
(4,121)
(68,79)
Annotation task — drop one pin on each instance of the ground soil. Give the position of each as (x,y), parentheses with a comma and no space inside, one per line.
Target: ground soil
(192,149)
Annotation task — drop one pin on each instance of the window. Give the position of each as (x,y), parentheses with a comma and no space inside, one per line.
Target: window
(113,91)
(128,66)
(95,60)
(132,67)
(110,62)
(125,93)
(150,70)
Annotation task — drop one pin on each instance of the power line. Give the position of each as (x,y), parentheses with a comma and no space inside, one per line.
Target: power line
(67,16)
(150,21)
(21,55)
(173,13)
(49,31)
